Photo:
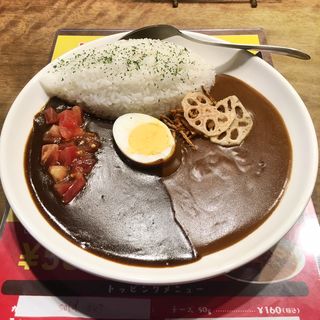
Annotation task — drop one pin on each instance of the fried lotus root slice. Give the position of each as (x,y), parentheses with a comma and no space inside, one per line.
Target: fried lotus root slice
(226,112)
(203,116)
(238,130)
(196,99)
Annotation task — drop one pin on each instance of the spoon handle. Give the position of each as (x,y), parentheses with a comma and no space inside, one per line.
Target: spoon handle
(275,49)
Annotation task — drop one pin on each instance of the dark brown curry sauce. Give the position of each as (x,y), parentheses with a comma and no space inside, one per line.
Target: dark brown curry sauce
(200,202)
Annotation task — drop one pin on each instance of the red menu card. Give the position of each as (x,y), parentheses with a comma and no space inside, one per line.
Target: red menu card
(282,284)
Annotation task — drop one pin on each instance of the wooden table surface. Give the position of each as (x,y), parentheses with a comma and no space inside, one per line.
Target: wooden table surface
(28,28)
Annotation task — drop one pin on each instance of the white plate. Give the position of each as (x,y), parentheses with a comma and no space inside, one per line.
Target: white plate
(242,65)
(291,254)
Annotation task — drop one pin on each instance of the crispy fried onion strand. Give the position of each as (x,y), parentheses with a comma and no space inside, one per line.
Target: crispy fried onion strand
(178,125)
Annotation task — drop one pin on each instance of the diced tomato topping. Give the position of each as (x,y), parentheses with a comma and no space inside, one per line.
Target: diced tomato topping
(52,135)
(65,144)
(49,154)
(77,185)
(69,123)
(58,173)
(68,118)
(83,165)
(77,112)
(62,186)
(69,133)
(89,142)
(67,155)
(50,115)
(71,117)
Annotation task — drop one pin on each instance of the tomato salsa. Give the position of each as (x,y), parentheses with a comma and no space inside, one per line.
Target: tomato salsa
(68,150)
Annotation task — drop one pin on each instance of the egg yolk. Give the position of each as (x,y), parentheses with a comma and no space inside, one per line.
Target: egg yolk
(149,139)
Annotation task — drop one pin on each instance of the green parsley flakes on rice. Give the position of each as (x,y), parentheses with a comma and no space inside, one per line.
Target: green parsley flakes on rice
(138,75)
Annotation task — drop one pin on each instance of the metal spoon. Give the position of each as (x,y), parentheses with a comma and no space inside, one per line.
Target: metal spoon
(164,31)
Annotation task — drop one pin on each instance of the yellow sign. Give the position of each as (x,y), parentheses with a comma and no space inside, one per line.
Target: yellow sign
(66,43)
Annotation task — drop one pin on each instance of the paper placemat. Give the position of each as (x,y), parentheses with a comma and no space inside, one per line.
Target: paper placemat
(282,284)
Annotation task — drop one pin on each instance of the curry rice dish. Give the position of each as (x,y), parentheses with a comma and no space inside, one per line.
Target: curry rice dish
(198,202)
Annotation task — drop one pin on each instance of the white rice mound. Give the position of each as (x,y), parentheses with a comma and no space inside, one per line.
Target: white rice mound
(138,75)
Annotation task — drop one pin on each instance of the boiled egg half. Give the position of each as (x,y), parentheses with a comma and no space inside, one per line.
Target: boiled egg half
(143,139)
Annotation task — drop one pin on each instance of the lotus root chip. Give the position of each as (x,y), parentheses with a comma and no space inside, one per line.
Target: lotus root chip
(226,112)
(239,129)
(193,99)
(202,115)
